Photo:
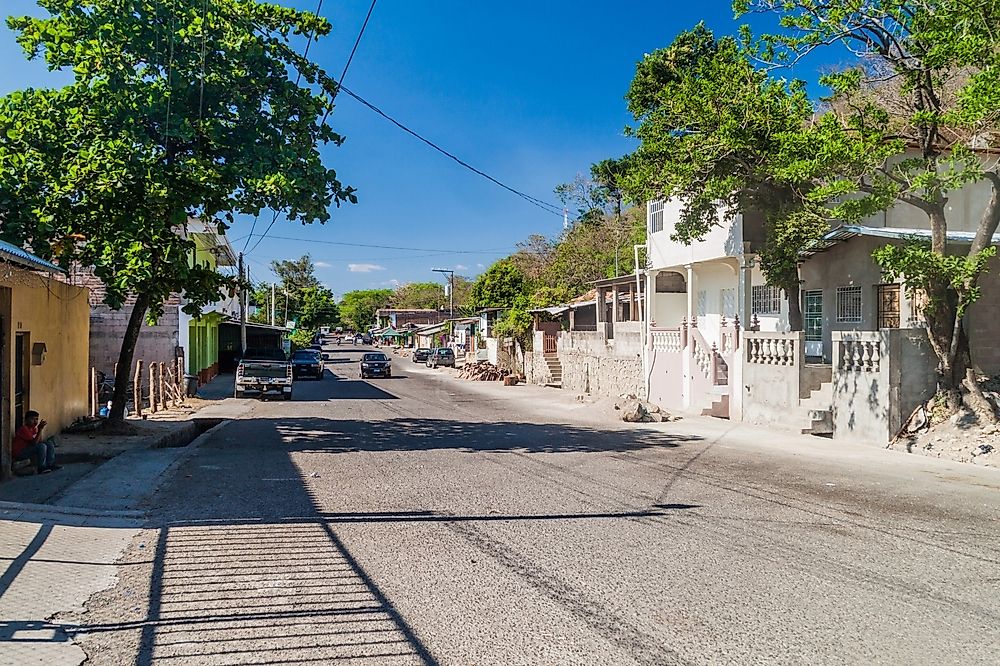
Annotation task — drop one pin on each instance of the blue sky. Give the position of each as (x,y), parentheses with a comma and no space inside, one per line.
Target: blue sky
(529,92)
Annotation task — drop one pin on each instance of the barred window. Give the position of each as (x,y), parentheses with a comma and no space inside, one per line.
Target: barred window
(729,303)
(849,305)
(655,216)
(702,303)
(765,299)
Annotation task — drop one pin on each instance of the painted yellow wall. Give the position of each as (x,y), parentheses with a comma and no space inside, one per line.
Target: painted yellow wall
(57,314)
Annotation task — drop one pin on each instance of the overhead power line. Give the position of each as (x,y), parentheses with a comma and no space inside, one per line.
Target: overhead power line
(544,205)
(393,247)
(343,74)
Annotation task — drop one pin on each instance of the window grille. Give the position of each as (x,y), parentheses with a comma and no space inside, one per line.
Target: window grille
(849,305)
(655,216)
(702,303)
(765,299)
(813,315)
(729,303)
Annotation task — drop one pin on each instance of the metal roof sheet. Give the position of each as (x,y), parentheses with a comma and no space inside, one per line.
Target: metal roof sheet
(848,231)
(16,255)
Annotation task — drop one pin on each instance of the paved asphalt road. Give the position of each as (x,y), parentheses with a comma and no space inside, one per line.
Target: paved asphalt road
(411,521)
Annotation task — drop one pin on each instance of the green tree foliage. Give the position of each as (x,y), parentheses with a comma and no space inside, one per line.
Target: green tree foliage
(716,134)
(317,307)
(357,308)
(913,121)
(176,109)
(419,296)
(499,287)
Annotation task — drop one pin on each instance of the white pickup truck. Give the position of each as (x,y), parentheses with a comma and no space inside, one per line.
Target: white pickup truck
(264,371)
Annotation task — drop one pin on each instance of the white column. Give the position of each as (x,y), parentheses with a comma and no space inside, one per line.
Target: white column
(690,292)
(688,365)
(745,291)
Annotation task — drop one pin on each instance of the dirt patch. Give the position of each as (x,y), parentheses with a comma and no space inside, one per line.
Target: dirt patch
(960,438)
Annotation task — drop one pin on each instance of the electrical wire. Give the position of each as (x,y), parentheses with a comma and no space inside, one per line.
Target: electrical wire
(544,205)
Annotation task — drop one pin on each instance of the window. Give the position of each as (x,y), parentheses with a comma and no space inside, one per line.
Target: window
(765,299)
(655,216)
(812,314)
(849,305)
(702,303)
(728,303)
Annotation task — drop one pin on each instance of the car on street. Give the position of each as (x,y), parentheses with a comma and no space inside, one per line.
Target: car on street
(358,340)
(307,363)
(420,355)
(264,371)
(441,356)
(375,364)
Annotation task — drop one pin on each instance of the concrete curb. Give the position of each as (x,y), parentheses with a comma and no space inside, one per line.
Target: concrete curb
(189,451)
(68,510)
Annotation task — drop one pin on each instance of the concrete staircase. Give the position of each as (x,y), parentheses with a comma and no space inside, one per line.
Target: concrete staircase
(819,410)
(555,369)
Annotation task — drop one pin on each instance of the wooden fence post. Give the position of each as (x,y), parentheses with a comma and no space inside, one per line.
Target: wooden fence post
(160,370)
(181,388)
(94,407)
(137,389)
(152,388)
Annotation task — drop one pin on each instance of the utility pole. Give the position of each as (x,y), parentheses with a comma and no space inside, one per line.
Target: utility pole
(272,304)
(451,287)
(243,310)
(286,307)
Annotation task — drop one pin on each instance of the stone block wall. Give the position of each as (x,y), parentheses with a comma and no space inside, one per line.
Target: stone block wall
(608,376)
(536,370)
(107,328)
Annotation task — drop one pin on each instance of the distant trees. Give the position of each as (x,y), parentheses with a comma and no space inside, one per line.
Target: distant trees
(357,308)
(298,296)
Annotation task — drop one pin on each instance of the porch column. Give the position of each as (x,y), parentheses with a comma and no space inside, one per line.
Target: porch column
(614,304)
(632,314)
(599,306)
(690,292)
(745,295)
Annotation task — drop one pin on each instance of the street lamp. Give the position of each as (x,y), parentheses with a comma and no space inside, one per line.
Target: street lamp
(451,287)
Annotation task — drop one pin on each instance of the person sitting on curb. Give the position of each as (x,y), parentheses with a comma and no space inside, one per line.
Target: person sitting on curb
(28,444)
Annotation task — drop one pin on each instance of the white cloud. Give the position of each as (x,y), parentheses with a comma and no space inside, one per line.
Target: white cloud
(480,265)
(322,264)
(364,268)
(391,283)
(461,267)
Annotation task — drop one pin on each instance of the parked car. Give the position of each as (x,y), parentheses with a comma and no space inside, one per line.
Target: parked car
(307,363)
(358,340)
(420,355)
(264,371)
(375,364)
(441,356)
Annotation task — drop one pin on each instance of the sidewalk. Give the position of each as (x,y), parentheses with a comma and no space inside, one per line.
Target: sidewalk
(62,533)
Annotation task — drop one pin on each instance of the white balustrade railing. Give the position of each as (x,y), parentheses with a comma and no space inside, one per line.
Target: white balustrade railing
(667,341)
(772,348)
(860,351)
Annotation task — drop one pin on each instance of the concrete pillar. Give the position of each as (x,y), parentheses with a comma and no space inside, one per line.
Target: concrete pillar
(614,304)
(599,306)
(691,314)
(744,294)
(688,364)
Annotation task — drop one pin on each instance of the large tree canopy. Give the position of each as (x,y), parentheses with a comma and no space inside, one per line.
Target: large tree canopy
(176,109)
(716,133)
(914,120)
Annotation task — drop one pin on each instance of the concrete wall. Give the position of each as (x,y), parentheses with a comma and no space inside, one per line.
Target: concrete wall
(56,314)
(591,364)
(770,377)
(879,378)
(107,328)
(983,322)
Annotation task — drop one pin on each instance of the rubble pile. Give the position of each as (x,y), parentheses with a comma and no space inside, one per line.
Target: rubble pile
(960,437)
(482,371)
(634,410)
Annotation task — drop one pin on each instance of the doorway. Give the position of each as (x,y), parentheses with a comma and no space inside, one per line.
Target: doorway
(812,321)
(888,306)
(21,388)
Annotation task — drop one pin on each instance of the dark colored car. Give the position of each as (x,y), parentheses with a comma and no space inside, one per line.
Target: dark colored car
(375,364)
(420,355)
(307,363)
(441,356)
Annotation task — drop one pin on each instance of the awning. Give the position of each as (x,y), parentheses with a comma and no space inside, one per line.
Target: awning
(848,231)
(16,255)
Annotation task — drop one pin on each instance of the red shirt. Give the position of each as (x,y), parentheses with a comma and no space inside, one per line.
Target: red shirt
(23,438)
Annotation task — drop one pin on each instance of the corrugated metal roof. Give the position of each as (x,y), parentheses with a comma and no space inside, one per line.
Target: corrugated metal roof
(849,231)
(16,255)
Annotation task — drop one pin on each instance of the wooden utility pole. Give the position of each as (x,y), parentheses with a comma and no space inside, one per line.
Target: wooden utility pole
(273,305)
(94,407)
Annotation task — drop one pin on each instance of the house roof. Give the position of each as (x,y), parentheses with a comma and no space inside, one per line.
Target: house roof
(628,279)
(16,255)
(250,324)
(431,328)
(848,231)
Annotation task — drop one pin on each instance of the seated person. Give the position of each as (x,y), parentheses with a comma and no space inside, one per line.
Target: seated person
(28,444)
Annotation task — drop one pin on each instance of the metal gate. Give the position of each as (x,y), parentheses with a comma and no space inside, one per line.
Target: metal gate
(888,305)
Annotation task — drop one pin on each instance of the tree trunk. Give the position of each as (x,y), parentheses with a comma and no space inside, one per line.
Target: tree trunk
(795,321)
(120,396)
